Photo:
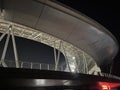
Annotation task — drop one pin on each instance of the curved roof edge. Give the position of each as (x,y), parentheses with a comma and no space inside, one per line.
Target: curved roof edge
(44,20)
(68,10)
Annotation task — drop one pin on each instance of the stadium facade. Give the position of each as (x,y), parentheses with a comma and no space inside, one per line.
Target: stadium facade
(85,44)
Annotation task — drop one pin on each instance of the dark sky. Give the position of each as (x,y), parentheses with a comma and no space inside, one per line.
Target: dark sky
(107,13)
(30,51)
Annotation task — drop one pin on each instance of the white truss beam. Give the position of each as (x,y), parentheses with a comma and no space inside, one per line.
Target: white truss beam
(67,49)
(4,51)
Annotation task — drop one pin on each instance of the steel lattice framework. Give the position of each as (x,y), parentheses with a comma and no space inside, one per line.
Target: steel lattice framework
(76,59)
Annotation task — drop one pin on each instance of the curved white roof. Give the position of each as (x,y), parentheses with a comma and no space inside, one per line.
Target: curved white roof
(64,23)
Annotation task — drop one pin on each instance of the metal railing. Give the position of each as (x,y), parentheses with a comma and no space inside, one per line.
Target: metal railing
(32,65)
(44,66)
(107,75)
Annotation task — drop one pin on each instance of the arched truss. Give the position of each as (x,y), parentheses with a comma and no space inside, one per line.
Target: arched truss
(76,59)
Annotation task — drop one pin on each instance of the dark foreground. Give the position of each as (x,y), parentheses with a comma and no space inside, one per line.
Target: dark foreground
(29,79)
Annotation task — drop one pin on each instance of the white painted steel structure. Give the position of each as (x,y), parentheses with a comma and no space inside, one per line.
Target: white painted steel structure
(84,43)
(71,53)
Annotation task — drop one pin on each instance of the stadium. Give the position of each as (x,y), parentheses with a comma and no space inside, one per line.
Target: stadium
(84,43)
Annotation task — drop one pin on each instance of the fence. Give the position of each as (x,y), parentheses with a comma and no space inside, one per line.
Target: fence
(31,65)
(43,66)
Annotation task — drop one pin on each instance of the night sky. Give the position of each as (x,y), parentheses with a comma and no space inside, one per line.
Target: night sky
(30,51)
(107,13)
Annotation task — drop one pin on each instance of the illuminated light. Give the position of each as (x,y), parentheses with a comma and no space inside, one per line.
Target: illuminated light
(39,82)
(73,58)
(105,87)
(10,27)
(72,68)
(108,85)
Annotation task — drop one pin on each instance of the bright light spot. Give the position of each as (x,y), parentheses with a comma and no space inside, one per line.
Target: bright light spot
(105,87)
(10,27)
(39,82)
(73,58)
(72,68)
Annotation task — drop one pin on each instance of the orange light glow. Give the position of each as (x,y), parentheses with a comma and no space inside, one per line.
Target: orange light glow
(107,85)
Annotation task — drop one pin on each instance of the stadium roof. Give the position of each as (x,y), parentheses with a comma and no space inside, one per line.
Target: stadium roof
(65,23)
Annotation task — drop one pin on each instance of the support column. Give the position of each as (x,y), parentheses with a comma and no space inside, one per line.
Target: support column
(57,62)
(40,66)
(14,48)
(77,66)
(4,51)
(48,66)
(66,59)
(31,66)
(85,62)
(6,45)
(55,57)
(58,57)
(21,64)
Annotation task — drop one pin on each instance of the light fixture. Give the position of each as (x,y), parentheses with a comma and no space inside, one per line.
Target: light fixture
(105,87)
(72,66)
(73,58)
(40,82)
